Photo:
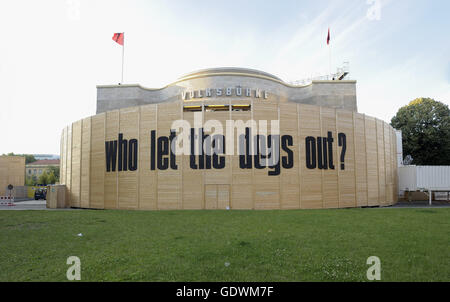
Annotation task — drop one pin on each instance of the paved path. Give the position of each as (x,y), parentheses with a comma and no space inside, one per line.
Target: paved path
(422,204)
(30,204)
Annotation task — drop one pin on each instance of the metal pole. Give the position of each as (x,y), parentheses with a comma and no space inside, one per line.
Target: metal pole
(330,61)
(123,54)
(329,45)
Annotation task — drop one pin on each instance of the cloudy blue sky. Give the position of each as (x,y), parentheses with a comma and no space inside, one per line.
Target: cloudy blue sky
(54,53)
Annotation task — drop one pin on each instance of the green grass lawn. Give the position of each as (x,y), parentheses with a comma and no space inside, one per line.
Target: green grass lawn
(311,245)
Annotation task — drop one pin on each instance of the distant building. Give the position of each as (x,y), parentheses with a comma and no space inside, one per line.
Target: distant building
(45,156)
(38,167)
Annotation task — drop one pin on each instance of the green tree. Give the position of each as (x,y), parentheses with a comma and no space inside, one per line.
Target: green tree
(43,178)
(51,178)
(29,158)
(55,171)
(425,125)
(30,181)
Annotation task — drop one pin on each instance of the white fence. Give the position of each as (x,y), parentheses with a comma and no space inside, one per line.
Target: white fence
(424,178)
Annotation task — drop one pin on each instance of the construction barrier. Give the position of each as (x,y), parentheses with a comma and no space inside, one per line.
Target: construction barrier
(7,201)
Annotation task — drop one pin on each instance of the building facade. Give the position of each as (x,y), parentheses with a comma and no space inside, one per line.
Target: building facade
(229,138)
(37,168)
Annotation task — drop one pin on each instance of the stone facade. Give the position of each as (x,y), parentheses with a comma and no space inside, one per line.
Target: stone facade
(331,94)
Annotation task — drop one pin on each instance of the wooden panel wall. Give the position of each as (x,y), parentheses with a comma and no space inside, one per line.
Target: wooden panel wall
(346,177)
(266,189)
(289,179)
(111,184)
(85,163)
(68,181)
(311,191)
(372,161)
(97,180)
(63,157)
(128,180)
(360,160)
(147,178)
(330,187)
(75,190)
(12,171)
(169,187)
(193,179)
(242,179)
(369,177)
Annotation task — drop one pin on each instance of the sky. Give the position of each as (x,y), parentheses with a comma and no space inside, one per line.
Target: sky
(53,53)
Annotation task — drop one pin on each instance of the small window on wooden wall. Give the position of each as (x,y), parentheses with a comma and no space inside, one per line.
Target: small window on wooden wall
(192,108)
(242,107)
(212,108)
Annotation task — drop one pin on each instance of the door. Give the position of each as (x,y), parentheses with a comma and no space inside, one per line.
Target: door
(217,197)
(223,197)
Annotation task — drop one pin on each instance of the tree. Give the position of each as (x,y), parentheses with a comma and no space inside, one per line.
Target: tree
(51,180)
(29,158)
(425,126)
(55,171)
(30,181)
(43,179)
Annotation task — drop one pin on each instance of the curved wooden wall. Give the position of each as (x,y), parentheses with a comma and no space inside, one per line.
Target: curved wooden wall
(369,178)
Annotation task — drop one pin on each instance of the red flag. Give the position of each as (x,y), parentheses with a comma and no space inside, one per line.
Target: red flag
(119,38)
(328,38)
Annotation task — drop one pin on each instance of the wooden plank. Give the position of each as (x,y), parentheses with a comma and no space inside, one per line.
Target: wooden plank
(330,188)
(311,180)
(147,177)
(97,170)
(381,163)
(211,197)
(388,168)
(69,165)
(289,178)
(127,178)
(360,161)
(85,163)
(111,178)
(75,195)
(169,181)
(347,189)
(372,160)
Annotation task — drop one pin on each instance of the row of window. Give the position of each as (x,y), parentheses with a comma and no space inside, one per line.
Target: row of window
(214,108)
(35,171)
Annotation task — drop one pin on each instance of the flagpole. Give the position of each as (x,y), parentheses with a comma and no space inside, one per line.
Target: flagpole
(330,57)
(123,55)
(329,46)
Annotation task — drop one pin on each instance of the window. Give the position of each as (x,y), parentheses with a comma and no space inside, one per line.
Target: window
(242,107)
(213,108)
(192,108)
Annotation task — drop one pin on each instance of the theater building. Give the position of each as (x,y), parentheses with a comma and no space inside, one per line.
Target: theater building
(229,138)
